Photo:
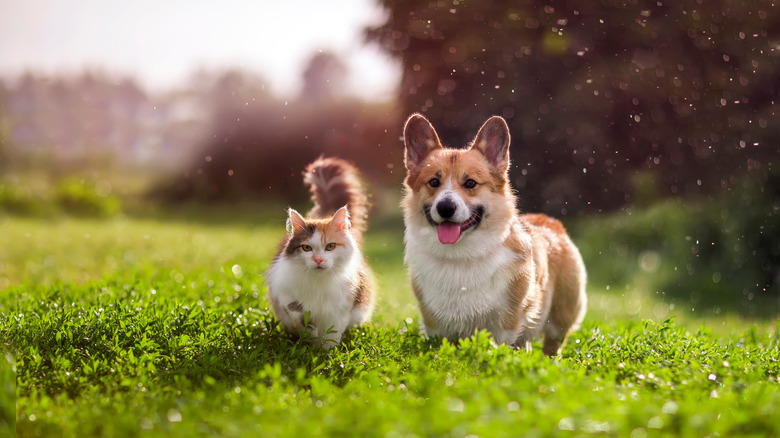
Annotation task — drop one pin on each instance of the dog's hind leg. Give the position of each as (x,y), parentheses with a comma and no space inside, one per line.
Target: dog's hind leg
(569,304)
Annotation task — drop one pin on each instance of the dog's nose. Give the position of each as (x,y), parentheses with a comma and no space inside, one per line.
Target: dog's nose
(446,208)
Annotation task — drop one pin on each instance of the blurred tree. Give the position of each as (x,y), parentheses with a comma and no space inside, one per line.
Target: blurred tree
(74,120)
(324,78)
(259,145)
(4,158)
(234,89)
(598,93)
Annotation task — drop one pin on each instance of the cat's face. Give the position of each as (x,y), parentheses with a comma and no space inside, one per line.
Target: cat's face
(320,244)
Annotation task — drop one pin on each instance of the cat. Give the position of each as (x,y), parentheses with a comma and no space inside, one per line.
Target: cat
(319,281)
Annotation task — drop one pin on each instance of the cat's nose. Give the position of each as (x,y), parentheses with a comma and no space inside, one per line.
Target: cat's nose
(318,260)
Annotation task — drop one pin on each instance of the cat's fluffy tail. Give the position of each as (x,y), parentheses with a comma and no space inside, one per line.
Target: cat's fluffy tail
(334,183)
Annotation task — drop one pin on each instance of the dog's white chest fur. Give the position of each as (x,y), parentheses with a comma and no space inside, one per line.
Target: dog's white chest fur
(463,294)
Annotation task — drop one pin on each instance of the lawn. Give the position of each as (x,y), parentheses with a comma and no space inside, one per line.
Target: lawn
(158,326)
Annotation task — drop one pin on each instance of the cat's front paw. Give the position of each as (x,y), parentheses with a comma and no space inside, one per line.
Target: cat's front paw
(329,339)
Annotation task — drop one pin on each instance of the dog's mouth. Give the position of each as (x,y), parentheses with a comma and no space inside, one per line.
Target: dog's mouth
(450,232)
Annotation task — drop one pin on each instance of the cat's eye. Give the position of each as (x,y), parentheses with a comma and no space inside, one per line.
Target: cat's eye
(470,184)
(330,247)
(306,248)
(434,182)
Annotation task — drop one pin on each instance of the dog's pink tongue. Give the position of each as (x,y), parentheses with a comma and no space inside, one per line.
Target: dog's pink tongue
(449,232)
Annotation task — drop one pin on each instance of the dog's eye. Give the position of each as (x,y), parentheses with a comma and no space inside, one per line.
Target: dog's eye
(434,182)
(306,248)
(470,184)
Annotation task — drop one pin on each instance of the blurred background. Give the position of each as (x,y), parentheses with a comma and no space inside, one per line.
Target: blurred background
(651,128)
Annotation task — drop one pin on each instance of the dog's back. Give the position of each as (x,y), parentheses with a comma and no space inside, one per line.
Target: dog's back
(566,278)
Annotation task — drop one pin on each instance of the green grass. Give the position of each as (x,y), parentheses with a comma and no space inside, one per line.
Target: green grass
(158,326)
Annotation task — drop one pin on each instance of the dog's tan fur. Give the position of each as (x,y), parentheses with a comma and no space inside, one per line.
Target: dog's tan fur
(515,275)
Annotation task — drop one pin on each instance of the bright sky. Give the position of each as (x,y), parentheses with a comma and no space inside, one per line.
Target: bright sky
(162,42)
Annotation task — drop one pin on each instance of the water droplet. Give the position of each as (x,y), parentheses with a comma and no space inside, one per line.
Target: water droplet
(174,416)
(455,405)
(670,407)
(655,423)
(649,261)
(566,423)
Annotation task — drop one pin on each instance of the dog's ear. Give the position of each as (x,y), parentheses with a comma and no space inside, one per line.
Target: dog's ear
(419,139)
(493,141)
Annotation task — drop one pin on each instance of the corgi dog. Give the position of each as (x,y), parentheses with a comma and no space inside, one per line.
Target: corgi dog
(476,263)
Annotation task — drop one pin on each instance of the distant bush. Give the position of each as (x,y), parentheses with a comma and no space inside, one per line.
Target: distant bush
(71,196)
(721,252)
(82,198)
(19,201)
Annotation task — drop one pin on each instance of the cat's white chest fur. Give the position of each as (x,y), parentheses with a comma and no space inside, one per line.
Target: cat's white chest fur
(323,292)
(326,295)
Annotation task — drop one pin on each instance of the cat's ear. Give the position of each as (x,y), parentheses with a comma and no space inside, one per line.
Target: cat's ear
(341,219)
(295,222)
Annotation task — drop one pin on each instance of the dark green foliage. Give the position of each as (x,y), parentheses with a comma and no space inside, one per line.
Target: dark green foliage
(596,91)
(720,255)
